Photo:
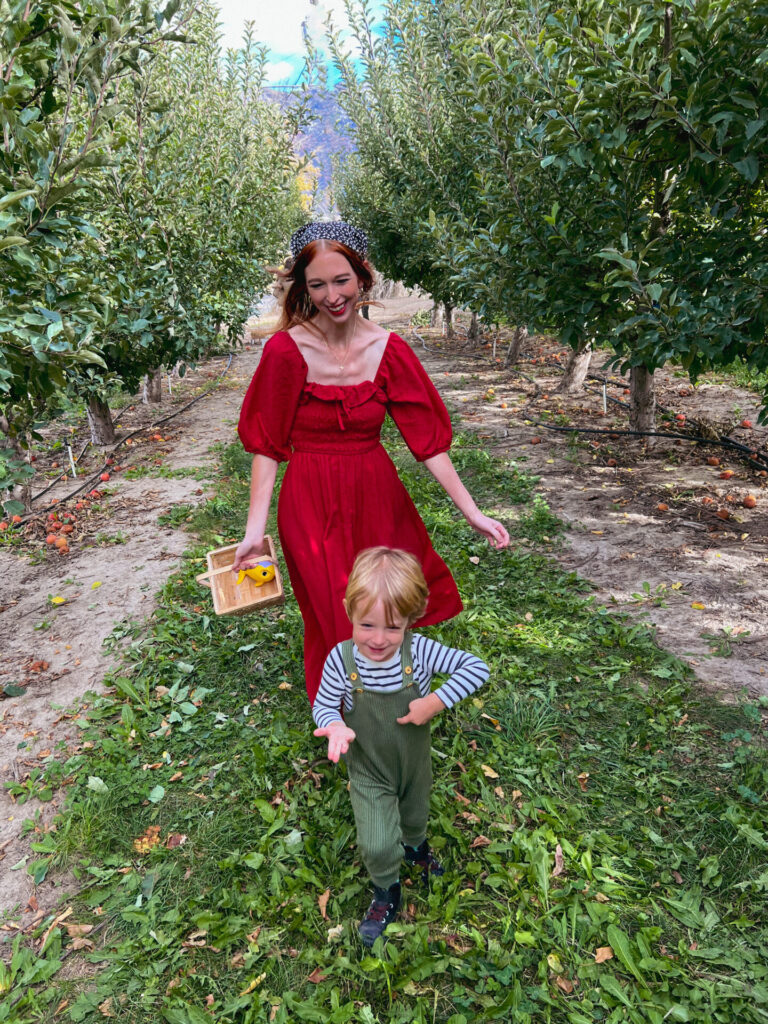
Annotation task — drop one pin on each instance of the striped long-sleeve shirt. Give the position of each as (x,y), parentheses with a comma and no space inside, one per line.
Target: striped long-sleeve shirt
(466,674)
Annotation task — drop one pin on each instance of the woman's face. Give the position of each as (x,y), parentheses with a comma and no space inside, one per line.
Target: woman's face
(333,286)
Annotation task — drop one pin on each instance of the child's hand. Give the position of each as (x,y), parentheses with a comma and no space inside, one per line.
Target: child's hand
(423,710)
(339,738)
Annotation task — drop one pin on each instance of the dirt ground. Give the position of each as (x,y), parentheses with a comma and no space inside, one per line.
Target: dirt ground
(642,528)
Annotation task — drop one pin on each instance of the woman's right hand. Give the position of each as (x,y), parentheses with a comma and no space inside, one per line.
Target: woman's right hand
(248,552)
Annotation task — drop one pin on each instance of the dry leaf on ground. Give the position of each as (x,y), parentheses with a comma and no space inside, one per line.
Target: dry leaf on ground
(77,930)
(252,984)
(322,902)
(559,862)
(603,953)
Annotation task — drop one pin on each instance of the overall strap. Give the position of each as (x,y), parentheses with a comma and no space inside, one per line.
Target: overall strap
(350,668)
(406,660)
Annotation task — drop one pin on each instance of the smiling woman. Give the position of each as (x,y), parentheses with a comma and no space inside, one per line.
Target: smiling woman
(318,399)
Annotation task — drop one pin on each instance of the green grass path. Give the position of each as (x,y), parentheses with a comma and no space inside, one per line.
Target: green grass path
(588,807)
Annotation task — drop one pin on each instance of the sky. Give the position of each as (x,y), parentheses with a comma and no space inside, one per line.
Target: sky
(278,24)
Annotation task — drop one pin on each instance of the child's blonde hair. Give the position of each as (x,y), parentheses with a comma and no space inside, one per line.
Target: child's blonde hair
(391,576)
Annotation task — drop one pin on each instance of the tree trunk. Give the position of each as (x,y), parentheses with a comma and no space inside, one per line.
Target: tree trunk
(153,388)
(474,328)
(516,346)
(100,422)
(576,369)
(448,321)
(642,399)
(436,316)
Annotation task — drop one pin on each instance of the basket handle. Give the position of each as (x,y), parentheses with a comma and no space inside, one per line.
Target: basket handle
(204,577)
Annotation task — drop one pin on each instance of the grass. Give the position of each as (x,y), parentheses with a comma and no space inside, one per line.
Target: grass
(587,799)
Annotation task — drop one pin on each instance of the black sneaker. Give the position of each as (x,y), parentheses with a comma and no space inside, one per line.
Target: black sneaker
(382,911)
(423,857)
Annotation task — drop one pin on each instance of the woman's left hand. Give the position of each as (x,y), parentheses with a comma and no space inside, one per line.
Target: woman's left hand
(491,529)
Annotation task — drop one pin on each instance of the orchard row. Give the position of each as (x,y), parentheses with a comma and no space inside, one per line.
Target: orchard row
(591,168)
(144,183)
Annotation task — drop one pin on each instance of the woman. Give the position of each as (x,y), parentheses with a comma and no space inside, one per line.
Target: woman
(318,398)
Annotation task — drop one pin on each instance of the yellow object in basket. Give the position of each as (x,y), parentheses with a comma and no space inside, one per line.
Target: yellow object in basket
(260,573)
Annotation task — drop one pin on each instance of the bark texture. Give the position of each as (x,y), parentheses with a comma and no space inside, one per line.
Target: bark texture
(519,339)
(100,422)
(153,388)
(474,328)
(448,321)
(576,369)
(642,399)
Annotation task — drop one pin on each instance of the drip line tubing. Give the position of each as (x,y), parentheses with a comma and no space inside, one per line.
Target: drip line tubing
(93,477)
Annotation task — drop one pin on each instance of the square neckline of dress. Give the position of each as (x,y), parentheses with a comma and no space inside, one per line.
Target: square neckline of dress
(318,384)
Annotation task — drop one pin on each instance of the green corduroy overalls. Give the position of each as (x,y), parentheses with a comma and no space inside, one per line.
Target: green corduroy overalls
(390,770)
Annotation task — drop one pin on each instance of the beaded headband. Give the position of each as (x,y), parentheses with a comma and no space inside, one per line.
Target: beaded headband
(333,230)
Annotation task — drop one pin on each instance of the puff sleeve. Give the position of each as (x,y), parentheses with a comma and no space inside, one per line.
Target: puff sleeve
(270,403)
(413,402)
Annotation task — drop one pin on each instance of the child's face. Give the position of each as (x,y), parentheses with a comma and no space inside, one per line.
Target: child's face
(378,637)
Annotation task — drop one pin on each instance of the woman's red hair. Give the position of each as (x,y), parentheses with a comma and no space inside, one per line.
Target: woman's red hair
(298,307)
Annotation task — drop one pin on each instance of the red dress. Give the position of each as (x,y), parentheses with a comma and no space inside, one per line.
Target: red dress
(341,492)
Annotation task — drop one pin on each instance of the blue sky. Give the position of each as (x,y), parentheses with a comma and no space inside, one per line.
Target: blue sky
(278,24)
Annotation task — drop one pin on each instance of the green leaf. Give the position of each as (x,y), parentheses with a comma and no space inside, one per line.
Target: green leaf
(156,794)
(12,690)
(748,167)
(15,197)
(39,869)
(620,943)
(97,785)
(11,240)
(610,984)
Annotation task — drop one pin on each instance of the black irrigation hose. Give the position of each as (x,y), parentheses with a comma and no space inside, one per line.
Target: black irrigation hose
(92,478)
(722,442)
(753,457)
(58,478)
(694,439)
(416,334)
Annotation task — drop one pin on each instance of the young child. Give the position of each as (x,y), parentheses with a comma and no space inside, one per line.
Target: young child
(381,680)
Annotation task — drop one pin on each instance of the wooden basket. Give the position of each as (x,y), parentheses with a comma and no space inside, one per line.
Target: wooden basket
(231,599)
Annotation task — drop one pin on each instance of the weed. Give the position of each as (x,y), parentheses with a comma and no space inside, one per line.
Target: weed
(656,596)
(167,472)
(421,318)
(721,643)
(103,540)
